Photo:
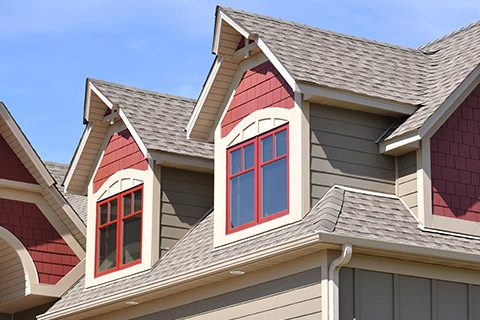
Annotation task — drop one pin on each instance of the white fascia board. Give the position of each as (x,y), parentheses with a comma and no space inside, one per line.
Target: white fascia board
(451,103)
(399,108)
(221,16)
(134,134)
(277,64)
(77,155)
(27,147)
(388,146)
(104,99)
(203,95)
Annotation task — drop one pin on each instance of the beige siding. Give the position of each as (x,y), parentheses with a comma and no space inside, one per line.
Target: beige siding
(344,152)
(12,278)
(296,296)
(407,180)
(186,197)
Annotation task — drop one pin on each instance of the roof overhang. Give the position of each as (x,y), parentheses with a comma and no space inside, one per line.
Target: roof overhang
(97,123)
(202,121)
(403,143)
(354,101)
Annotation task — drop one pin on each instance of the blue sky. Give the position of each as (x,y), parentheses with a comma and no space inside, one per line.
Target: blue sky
(48,48)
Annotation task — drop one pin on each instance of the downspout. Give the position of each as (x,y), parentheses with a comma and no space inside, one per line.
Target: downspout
(333,272)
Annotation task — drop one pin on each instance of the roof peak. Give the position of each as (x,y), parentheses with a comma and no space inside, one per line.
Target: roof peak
(146,91)
(336,33)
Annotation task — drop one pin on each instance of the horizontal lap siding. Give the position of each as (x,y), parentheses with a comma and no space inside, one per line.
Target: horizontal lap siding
(12,278)
(296,296)
(407,180)
(186,197)
(344,152)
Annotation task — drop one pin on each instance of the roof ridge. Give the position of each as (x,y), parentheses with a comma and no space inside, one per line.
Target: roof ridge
(449,35)
(336,33)
(146,91)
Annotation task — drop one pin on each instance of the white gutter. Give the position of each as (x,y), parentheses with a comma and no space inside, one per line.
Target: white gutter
(333,275)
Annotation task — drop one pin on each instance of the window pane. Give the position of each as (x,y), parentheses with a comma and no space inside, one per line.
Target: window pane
(274,187)
(107,247)
(103,213)
(127,204)
(242,199)
(113,210)
(235,161)
(281,143)
(131,238)
(267,148)
(137,200)
(249,156)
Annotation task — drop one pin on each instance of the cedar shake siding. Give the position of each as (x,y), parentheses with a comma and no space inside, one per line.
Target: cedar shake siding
(186,197)
(11,168)
(386,296)
(455,156)
(296,296)
(407,180)
(122,152)
(260,87)
(344,152)
(52,257)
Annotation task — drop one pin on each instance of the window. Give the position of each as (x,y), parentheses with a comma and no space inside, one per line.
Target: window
(257,180)
(119,231)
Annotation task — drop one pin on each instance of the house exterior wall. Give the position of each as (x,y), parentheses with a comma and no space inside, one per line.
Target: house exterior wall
(379,295)
(186,196)
(407,180)
(344,152)
(122,152)
(11,168)
(260,87)
(13,281)
(52,257)
(455,163)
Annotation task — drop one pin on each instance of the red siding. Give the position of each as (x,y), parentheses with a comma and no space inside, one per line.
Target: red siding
(455,156)
(260,87)
(122,152)
(52,256)
(11,168)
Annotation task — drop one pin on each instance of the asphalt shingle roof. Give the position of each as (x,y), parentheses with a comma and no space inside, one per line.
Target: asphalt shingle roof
(159,119)
(424,77)
(341,211)
(78,203)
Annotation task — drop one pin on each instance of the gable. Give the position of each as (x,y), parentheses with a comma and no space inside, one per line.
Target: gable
(455,162)
(11,168)
(260,87)
(121,152)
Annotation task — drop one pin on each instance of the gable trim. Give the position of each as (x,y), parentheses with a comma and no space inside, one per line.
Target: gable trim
(218,28)
(76,157)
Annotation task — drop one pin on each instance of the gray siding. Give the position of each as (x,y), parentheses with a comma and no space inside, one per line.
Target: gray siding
(407,180)
(296,296)
(185,197)
(344,152)
(367,295)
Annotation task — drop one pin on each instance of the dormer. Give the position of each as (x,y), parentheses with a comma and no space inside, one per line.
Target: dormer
(132,151)
(260,111)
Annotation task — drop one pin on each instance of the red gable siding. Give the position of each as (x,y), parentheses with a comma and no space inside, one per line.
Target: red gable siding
(51,255)
(11,168)
(260,87)
(122,152)
(455,156)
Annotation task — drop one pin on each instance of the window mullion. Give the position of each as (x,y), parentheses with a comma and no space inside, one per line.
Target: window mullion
(119,231)
(257,180)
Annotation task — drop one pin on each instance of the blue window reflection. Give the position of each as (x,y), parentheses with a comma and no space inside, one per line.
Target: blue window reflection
(274,187)
(242,199)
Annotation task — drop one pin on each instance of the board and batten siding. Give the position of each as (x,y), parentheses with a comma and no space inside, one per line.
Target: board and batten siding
(407,180)
(186,196)
(369,295)
(12,277)
(344,151)
(296,296)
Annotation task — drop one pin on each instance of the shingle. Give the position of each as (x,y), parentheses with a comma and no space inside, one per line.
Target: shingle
(343,212)
(423,77)
(77,202)
(159,119)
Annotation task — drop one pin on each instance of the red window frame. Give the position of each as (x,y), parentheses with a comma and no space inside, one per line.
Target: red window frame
(119,221)
(257,167)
